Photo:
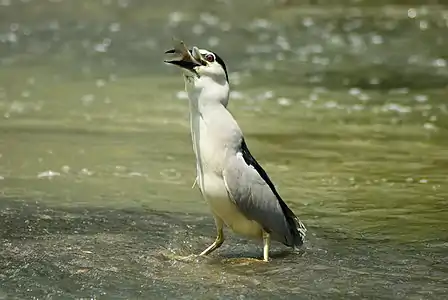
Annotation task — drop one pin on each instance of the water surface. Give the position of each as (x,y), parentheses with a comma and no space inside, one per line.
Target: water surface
(344,105)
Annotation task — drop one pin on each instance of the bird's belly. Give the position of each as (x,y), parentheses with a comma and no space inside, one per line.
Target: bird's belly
(215,193)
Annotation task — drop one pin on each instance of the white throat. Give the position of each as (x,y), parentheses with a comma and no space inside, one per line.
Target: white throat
(204,91)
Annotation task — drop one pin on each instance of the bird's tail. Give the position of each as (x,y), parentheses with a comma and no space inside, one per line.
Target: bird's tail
(300,233)
(296,228)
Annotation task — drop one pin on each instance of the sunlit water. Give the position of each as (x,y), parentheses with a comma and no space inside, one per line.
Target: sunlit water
(345,107)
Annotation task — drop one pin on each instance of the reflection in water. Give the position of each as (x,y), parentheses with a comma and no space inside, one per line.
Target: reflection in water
(96,162)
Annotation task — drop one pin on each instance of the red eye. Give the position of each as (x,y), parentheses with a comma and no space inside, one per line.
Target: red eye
(210,57)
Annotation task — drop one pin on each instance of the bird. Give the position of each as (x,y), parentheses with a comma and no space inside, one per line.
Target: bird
(239,192)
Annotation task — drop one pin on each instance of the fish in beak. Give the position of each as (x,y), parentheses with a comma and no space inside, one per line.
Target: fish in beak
(184,58)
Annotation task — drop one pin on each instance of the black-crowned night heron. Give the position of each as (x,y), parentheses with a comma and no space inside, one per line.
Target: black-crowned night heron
(237,189)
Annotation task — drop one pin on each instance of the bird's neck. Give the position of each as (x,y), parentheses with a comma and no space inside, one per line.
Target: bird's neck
(205,93)
(215,133)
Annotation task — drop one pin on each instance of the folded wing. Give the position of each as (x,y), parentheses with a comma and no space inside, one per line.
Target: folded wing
(254,194)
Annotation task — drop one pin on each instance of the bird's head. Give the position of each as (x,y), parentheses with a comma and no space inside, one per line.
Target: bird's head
(202,68)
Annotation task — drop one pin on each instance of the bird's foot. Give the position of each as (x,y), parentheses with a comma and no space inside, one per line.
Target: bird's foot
(185,258)
(244,260)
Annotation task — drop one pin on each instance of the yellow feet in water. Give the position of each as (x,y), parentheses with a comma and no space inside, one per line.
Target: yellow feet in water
(244,261)
(241,261)
(187,258)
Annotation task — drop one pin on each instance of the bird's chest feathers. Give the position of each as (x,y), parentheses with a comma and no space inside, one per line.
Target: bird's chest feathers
(210,147)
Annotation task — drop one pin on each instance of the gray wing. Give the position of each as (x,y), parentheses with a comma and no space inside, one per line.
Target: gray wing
(254,194)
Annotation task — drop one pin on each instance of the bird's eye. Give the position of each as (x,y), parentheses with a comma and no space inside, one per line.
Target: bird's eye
(209,57)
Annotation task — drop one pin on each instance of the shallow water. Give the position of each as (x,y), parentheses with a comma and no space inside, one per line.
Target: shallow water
(96,165)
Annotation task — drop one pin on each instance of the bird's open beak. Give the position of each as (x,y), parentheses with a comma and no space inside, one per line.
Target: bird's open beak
(185,58)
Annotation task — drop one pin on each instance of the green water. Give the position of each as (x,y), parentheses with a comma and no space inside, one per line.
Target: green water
(345,106)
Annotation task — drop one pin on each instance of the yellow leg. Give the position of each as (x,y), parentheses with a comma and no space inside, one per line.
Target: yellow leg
(266,245)
(219,238)
(247,260)
(216,244)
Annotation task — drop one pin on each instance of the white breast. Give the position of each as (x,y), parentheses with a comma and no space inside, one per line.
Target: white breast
(211,144)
